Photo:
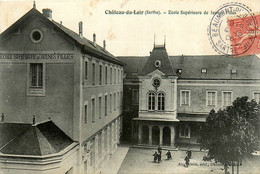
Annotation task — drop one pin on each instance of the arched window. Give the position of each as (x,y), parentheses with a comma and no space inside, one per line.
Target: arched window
(161,101)
(151,101)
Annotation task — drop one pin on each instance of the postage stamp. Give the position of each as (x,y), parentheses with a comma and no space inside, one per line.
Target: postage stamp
(245,35)
(220,29)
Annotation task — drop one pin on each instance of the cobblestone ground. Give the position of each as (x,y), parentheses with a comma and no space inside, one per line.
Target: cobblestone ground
(140,161)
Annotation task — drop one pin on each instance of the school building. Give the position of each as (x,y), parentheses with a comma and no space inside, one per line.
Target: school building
(60,99)
(167,98)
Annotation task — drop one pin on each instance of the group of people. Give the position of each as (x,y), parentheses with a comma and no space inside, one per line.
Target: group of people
(158,155)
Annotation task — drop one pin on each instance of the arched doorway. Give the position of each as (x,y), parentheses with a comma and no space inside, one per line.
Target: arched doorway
(145,135)
(166,136)
(155,135)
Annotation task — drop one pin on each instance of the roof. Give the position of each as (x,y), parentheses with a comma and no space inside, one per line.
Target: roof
(37,140)
(9,131)
(87,46)
(218,66)
(160,54)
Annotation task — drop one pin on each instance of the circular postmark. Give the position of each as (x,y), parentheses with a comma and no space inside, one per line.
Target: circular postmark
(225,40)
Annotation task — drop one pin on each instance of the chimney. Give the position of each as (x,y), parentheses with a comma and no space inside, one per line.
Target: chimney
(34,120)
(104,44)
(47,13)
(60,24)
(80,29)
(94,39)
(3,117)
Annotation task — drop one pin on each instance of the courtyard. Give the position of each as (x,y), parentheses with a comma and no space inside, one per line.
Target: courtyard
(140,161)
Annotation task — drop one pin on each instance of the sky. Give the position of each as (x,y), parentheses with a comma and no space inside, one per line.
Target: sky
(131,35)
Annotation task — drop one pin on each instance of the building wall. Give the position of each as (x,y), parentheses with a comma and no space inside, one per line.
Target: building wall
(57,100)
(49,165)
(98,92)
(199,88)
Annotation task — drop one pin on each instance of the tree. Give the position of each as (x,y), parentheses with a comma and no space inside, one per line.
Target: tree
(229,134)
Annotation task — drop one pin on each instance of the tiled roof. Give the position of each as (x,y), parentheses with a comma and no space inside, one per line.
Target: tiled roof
(218,67)
(134,65)
(160,54)
(9,131)
(86,45)
(37,140)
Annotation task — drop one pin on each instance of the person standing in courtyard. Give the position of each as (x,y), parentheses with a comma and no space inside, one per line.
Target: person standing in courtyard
(187,161)
(159,149)
(188,153)
(169,155)
(159,157)
(155,156)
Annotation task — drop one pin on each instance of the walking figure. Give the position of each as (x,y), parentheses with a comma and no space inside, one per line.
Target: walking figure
(187,161)
(159,157)
(169,155)
(188,153)
(155,156)
(159,149)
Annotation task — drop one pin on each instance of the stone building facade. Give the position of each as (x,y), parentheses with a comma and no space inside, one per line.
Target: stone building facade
(172,95)
(52,77)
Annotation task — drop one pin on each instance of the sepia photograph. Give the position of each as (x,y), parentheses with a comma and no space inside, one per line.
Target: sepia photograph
(129,87)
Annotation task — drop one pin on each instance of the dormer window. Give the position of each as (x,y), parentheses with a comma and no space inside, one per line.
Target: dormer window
(179,71)
(233,71)
(157,64)
(204,70)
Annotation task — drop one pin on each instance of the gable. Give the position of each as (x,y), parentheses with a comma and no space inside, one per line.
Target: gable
(156,73)
(19,37)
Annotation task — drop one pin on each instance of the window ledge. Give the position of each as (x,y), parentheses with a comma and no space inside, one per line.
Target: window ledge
(40,92)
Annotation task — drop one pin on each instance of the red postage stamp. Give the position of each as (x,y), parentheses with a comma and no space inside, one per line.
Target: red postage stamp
(245,35)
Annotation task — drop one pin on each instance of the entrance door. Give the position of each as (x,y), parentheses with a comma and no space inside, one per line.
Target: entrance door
(166,136)
(145,135)
(155,135)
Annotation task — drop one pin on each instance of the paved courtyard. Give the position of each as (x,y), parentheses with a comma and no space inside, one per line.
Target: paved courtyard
(140,161)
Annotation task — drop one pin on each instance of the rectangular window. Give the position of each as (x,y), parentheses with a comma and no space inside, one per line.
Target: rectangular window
(110,103)
(85,167)
(184,131)
(36,74)
(151,101)
(100,107)
(111,75)
(118,76)
(86,114)
(93,110)
(114,101)
(100,74)
(226,98)
(105,139)
(86,70)
(185,97)
(99,145)
(211,98)
(122,76)
(106,76)
(121,103)
(105,105)
(93,73)
(115,76)
(118,100)
(135,96)
(92,152)
(256,96)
